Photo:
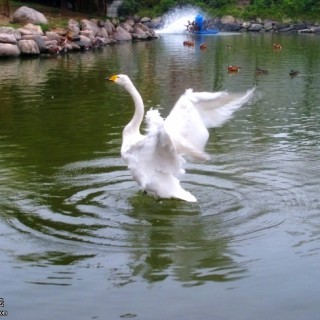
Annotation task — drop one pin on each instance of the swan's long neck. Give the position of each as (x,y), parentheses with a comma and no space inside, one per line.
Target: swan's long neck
(133,127)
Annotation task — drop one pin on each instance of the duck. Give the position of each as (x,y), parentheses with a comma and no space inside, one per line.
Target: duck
(293,73)
(188,43)
(203,46)
(233,68)
(277,46)
(261,71)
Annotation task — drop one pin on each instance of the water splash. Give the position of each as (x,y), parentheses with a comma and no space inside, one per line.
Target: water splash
(175,20)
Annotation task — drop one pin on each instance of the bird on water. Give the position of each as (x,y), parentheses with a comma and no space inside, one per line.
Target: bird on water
(155,159)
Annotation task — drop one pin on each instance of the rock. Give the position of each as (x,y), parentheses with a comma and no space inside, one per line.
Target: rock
(51,35)
(216,23)
(74,46)
(138,33)
(53,48)
(7,38)
(130,22)
(90,25)
(31,29)
(145,19)
(69,47)
(142,32)
(38,39)
(286,29)
(27,15)
(268,25)
(256,27)
(109,27)
(127,26)
(41,44)
(228,19)
(300,26)
(60,31)
(100,23)
(122,34)
(84,43)
(155,23)
(280,25)
(315,29)
(73,28)
(231,27)
(9,30)
(304,31)
(88,34)
(99,42)
(9,50)
(246,25)
(103,33)
(28,47)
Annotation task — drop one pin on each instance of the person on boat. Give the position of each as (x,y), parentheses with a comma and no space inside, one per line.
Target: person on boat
(199,22)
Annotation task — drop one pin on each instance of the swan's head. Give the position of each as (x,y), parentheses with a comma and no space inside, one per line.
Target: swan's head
(120,79)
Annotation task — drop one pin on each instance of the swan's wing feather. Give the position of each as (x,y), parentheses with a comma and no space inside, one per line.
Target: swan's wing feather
(187,130)
(216,110)
(194,112)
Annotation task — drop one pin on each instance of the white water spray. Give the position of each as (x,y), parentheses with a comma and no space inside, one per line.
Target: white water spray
(175,20)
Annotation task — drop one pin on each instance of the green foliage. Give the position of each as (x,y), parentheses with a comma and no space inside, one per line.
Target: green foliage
(130,7)
(273,9)
(44,27)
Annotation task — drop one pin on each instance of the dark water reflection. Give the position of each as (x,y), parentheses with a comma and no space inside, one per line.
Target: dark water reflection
(74,228)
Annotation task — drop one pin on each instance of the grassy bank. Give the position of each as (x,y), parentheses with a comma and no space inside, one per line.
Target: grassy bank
(55,16)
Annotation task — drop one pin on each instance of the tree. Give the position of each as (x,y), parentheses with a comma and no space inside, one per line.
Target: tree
(5,7)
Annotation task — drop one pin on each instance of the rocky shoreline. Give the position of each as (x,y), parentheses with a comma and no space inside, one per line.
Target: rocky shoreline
(231,24)
(31,40)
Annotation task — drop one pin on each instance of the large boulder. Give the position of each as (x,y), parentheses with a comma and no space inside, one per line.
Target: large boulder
(40,41)
(138,33)
(103,33)
(29,47)
(28,15)
(315,29)
(74,28)
(7,38)
(127,26)
(9,50)
(11,31)
(109,27)
(90,25)
(256,27)
(231,27)
(31,29)
(121,34)
(268,25)
(228,19)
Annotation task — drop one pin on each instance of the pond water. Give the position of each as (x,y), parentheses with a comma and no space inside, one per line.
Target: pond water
(79,241)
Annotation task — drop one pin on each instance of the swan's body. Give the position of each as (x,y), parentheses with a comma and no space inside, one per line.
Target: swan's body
(155,159)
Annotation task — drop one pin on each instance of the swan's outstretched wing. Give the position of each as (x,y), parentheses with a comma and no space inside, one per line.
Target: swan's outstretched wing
(216,108)
(194,112)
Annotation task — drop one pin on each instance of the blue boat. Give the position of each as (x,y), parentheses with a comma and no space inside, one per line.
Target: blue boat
(209,31)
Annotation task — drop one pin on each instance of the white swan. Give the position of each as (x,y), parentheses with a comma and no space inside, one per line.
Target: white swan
(155,159)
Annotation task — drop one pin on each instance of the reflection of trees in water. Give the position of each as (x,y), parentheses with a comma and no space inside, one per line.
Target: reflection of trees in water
(177,242)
